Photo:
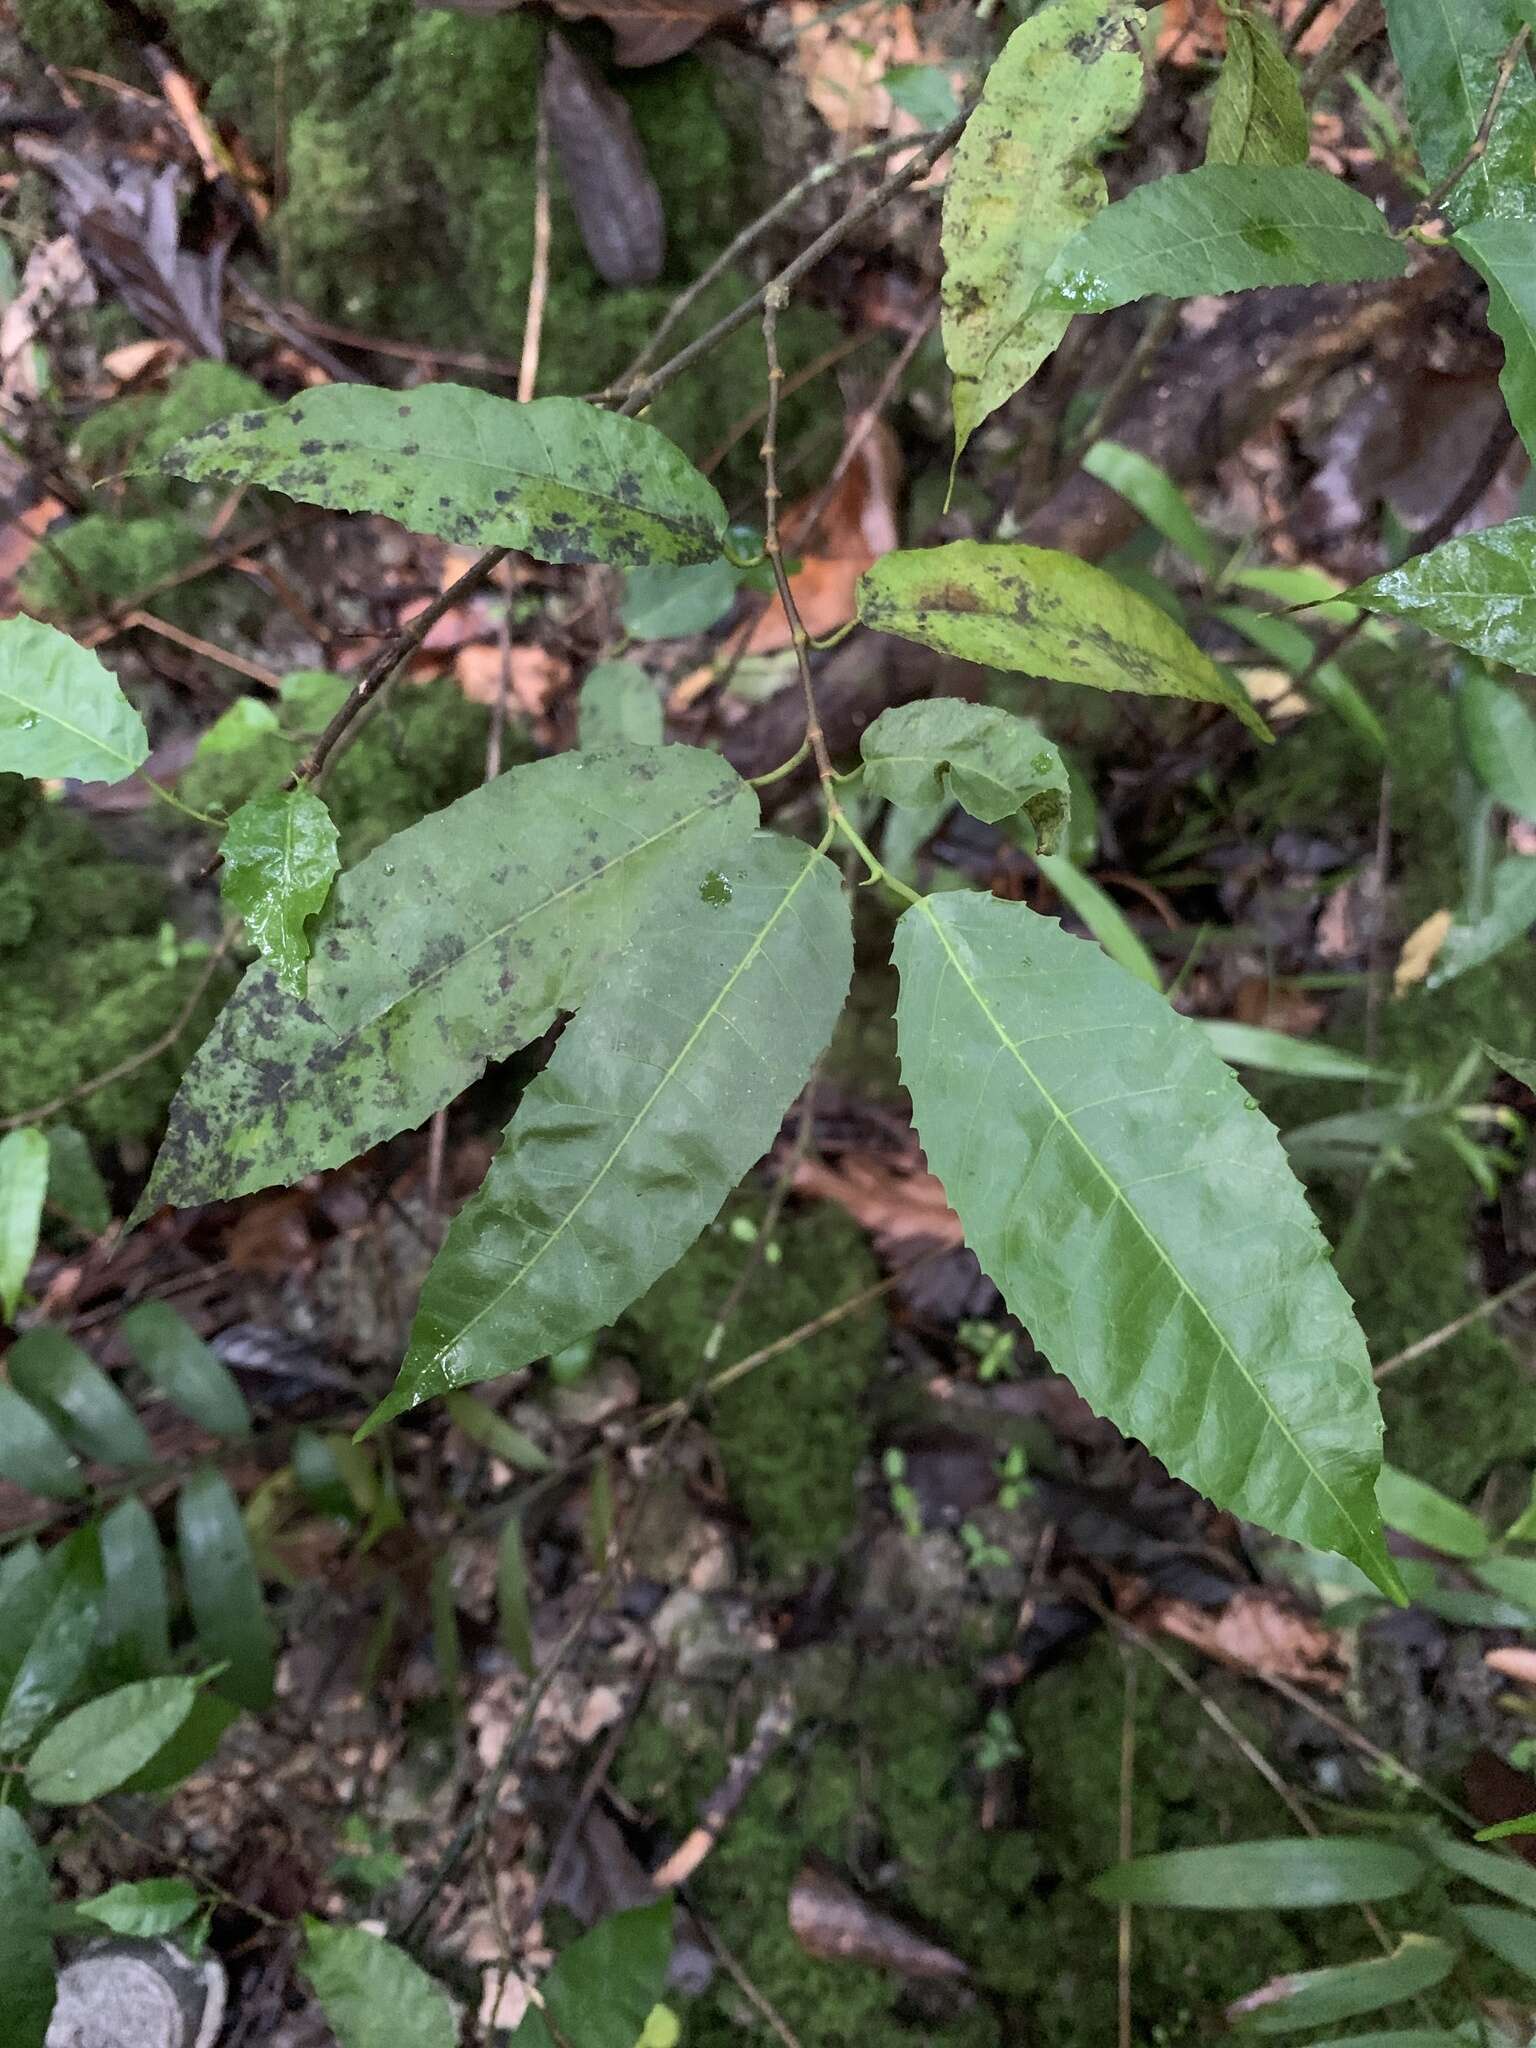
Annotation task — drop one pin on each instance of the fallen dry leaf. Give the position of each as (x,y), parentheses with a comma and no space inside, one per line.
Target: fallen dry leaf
(831,1922)
(535,676)
(896,1203)
(1274,691)
(1258,1001)
(844,56)
(136,359)
(1255,1632)
(1512,1663)
(836,544)
(1420,950)
(18,537)
(55,277)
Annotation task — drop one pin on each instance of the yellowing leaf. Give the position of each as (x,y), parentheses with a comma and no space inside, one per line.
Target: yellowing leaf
(1420,950)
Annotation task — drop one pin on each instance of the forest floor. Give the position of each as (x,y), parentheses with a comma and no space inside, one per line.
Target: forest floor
(894,1645)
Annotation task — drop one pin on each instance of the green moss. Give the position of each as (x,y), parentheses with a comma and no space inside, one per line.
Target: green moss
(100,560)
(791,1434)
(89,980)
(136,431)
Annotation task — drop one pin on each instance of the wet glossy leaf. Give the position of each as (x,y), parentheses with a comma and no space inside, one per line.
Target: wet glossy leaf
(1499,735)
(1507,1875)
(455,943)
(223,1591)
(619,707)
(78,1398)
(1509,1935)
(1257,114)
(1509,915)
(372,1993)
(61,711)
(280,859)
(135,1604)
(988,761)
(1155,495)
(1501,252)
(1448,52)
(185,1370)
(57,1607)
(157,1905)
(1478,590)
(1426,1515)
(26,1946)
(670,1083)
(1275,1052)
(1319,1998)
(666,604)
(75,1185)
(1137,1212)
(193,1744)
(100,1745)
(23,1189)
(560,480)
(1223,228)
(601,1990)
(1043,614)
(1023,182)
(1265,1876)
(32,1452)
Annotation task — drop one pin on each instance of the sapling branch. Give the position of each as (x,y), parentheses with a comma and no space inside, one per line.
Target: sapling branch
(1477,149)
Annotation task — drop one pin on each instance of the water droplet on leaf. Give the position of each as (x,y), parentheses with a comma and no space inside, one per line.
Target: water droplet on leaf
(714,889)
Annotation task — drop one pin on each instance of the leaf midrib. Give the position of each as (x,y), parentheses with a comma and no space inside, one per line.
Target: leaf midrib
(1140,1221)
(78,732)
(813,855)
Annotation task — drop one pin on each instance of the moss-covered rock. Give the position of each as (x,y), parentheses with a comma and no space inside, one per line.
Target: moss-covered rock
(101,560)
(134,432)
(90,976)
(792,1433)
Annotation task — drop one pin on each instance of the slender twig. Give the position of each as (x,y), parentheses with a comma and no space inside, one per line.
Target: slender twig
(1362,21)
(256,671)
(1477,149)
(867,419)
(228,554)
(817,367)
(639,392)
(538,282)
(749,1991)
(1123,385)
(733,252)
(142,1058)
(1303,22)
(1490,1305)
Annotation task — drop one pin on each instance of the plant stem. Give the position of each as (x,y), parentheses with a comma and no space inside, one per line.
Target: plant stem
(1477,149)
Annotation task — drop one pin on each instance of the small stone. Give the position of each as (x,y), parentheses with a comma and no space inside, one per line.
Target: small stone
(137,1994)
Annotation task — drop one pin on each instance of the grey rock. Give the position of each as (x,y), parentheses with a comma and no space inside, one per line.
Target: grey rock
(120,1993)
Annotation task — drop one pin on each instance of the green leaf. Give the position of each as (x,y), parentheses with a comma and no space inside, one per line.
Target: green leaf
(1257,115)
(558,479)
(184,1369)
(925,91)
(1270,1876)
(61,711)
(513,1614)
(1137,1211)
(1328,683)
(479,1420)
(670,1083)
(75,1186)
(1222,228)
(51,1656)
(135,1605)
(601,1990)
(32,1453)
(1419,1511)
(1102,915)
(1398,2037)
(157,1905)
(1317,1998)
(192,1746)
(988,761)
(1155,495)
(1509,1935)
(1523,1071)
(1525,1824)
(78,1398)
(98,1746)
(1499,735)
(1276,1052)
(455,943)
(26,1947)
(1510,912)
(1478,591)
(280,859)
(667,604)
(1448,52)
(1043,614)
(619,707)
(1507,1875)
(223,1591)
(1023,181)
(23,1189)
(1515,1579)
(372,1993)
(1500,252)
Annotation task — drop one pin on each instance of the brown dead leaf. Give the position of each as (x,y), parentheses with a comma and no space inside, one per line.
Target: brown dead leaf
(831,1922)
(138,359)
(1255,1632)
(1192,32)
(1274,691)
(55,277)
(1513,1663)
(836,543)
(844,55)
(1421,948)
(536,677)
(895,1202)
(1258,1001)
(18,537)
